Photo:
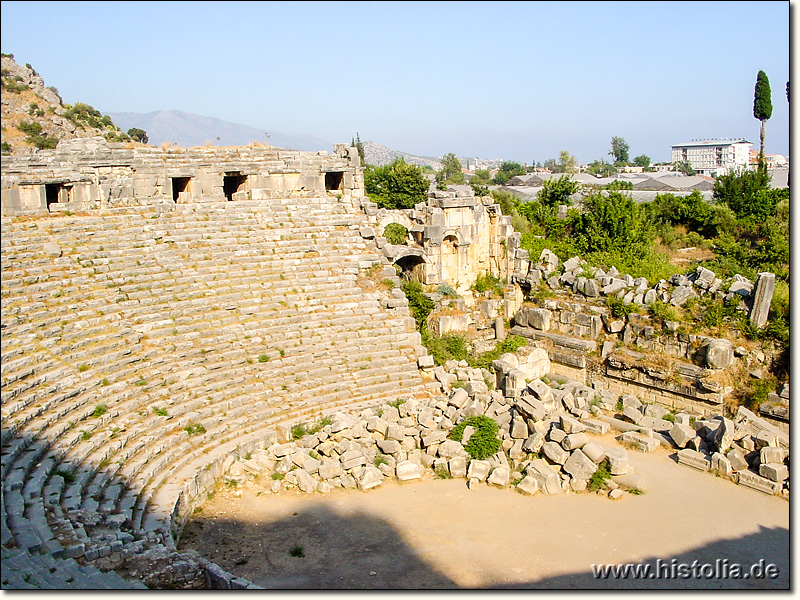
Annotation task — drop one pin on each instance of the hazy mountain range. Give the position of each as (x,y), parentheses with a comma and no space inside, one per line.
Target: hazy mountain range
(188,129)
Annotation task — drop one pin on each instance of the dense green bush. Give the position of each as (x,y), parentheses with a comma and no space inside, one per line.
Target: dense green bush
(397,185)
(447,347)
(418,303)
(484,442)
(558,191)
(613,222)
(486,282)
(395,233)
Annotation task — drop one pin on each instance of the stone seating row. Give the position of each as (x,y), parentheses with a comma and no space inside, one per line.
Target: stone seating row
(85,449)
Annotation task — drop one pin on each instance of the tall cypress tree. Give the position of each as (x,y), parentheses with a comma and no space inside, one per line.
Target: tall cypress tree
(762,109)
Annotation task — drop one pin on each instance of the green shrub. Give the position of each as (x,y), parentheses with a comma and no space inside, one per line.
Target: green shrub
(600,477)
(511,344)
(395,233)
(262,358)
(99,410)
(447,347)
(30,127)
(442,472)
(161,412)
(381,459)
(486,282)
(484,442)
(298,431)
(277,476)
(195,429)
(620,310)
(418,303)
(5,148)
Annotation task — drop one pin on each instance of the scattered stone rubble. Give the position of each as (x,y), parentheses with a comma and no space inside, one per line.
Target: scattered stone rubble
(595,282)
(547,426)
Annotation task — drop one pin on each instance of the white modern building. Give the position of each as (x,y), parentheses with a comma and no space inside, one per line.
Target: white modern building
(714,157)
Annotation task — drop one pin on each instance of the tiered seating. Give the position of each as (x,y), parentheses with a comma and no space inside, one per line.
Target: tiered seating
(158,342)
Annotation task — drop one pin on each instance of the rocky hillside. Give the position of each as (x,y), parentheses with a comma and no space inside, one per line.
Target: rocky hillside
(376,154)
(34,116)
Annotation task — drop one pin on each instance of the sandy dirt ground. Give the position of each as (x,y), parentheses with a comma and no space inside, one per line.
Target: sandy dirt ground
(435,534)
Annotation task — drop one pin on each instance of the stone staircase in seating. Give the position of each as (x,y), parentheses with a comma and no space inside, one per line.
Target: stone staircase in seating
(141,348)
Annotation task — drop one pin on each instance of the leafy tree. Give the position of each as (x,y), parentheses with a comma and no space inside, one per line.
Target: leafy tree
(396,185)
(762,107)
(552,165)
(451,170)
(601,168)
(481,177)
(619,184)
(684,167)
(745,192)
(568,162)
(138,135)
(613,222)
(642,161)
(508,169)
(619,150)
(558,191)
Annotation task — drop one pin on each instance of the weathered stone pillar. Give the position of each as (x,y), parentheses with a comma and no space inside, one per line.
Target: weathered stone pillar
(499,329)
(762,298)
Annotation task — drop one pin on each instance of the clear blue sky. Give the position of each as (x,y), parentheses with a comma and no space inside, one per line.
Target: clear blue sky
(514,80)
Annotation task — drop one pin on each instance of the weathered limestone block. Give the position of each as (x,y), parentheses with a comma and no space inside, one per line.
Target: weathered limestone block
(305,482)
(371,477)
(681,295)
(533,443)
(774,471)
(479,469)
(519,430)
(573,441)
(514,383)
(721,465)
(546,478)
(530,407)
(762,298)
(389,446)
(407,470)
(500,476)
(353,458)
(594,452)
(539,318)
(596,426)
(425,362)
(458,466)
(632,414)
(632,401)
(528,486)
(330,468)
(681,435)
(579,465)
(571,425)
(757,482)
(458,398)
(555,452)
(694,459)
(556,434)
(450,449)
(719,354)
(591,288)
(638,441)
(772,454)
(541,390)
(724,435)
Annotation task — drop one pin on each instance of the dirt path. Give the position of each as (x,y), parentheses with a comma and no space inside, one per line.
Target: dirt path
(439,534)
